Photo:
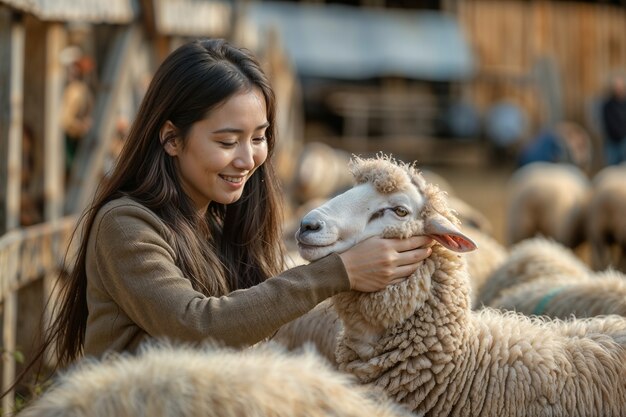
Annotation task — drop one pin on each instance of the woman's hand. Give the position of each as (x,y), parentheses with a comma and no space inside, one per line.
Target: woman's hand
(377,262)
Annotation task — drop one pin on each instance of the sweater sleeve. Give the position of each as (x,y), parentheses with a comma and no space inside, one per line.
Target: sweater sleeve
(137,269)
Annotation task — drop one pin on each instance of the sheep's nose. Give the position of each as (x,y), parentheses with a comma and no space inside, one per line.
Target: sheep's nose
(308,226)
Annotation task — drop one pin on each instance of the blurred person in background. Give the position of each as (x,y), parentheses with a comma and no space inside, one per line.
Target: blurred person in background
(566,142)
(182,237)
(614,121)
(77,105)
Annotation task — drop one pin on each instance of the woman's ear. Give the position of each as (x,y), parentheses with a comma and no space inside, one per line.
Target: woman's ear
(167,136)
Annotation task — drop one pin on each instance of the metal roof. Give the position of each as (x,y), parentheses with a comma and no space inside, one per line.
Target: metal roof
(344,42)
(93,11)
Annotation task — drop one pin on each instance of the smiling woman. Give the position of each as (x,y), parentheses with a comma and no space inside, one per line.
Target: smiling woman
(221,151)
(182,237)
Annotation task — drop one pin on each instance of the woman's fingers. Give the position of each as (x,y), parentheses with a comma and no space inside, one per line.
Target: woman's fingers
(414,242)
(413,257)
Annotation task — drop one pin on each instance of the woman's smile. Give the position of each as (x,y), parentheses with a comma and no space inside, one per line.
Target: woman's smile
(234,181)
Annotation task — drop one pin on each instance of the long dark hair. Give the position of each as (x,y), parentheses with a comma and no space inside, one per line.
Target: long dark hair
(239,245)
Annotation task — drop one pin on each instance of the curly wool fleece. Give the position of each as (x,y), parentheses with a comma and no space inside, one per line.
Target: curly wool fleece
(422,344)
(179,381)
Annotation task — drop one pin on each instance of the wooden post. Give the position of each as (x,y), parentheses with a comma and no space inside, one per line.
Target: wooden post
(11,95)
(11,75)
(53,137)
(88,168)
(54,160)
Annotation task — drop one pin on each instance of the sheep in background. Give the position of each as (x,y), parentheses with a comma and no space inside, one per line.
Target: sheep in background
(606,220)
(321,172)
(169,381)
(548,199)
(566,296)
(527,261)
(420,342)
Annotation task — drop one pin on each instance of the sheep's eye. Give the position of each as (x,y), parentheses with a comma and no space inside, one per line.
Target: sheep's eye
(400,211)
(377,215)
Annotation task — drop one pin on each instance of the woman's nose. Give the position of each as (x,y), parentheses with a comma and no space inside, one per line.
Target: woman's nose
(245,157)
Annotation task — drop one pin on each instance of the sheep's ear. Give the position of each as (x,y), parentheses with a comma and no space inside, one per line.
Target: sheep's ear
(446,233)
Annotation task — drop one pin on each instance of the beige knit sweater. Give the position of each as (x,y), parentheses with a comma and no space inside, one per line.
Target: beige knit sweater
(135,291)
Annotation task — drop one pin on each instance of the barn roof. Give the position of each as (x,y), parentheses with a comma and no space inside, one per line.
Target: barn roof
(94,11)
(337,41)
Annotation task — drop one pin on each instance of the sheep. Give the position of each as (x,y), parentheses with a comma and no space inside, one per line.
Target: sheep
(321,326)
(164,380)
(606,219)
(529,260)
(420,341)
(565,296)
(321,172)
(547,199)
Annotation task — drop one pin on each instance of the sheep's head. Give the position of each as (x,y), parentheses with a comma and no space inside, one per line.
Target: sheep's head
(390,199)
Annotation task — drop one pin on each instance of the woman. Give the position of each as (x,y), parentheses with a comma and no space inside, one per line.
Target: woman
(182,238)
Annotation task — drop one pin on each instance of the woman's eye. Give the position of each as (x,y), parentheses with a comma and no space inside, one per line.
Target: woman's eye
(400,211)
(260,139)
(227,144)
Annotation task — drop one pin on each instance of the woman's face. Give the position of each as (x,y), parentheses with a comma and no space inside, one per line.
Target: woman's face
(223,150)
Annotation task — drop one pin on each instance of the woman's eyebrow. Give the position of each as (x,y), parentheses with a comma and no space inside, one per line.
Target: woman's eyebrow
(235,130)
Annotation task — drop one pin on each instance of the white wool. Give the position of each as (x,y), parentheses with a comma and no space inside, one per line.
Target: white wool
(448,360)
(567,296)
(528,260)
(178,381)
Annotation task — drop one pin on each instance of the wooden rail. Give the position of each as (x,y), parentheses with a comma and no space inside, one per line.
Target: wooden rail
(26,255)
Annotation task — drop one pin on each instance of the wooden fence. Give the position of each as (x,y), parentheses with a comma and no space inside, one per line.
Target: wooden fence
(27,255)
